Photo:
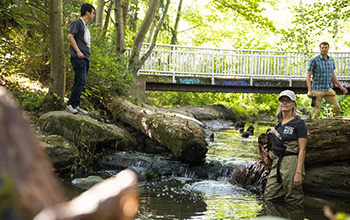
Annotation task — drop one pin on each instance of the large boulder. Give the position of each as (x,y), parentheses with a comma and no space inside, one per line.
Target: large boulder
(82,129)
(185,139)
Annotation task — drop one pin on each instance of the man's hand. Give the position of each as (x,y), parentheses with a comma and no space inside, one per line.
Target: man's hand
(310,94)
(345,91)
(80,55)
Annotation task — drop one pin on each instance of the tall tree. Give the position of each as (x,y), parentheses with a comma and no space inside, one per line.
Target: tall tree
(108,15)
(99,12)
(177,20)
(58,75)
(137,89)
(119,26)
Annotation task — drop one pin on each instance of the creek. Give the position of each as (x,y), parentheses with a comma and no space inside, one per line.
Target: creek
(185,197)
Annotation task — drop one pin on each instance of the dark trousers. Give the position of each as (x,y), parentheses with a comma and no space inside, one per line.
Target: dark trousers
(81,69)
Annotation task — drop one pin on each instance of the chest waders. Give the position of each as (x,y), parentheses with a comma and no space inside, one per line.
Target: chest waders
(280,157)
(291,150)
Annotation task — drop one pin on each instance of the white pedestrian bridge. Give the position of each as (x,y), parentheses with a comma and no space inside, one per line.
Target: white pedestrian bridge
(203,69)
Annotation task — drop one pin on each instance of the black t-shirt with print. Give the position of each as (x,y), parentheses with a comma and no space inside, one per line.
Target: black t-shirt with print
(290,131)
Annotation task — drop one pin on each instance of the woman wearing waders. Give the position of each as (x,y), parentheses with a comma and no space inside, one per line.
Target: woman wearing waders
(289,138)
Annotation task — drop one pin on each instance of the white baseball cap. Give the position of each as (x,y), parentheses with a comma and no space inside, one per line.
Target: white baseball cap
(288,93)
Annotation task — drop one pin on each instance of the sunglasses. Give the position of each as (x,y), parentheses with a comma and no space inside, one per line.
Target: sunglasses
(286,100)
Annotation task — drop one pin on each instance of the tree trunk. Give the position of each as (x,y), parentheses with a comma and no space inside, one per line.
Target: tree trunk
(150,33)
(135,17)
(108,15)
(135,62)
(174,31)
(185,139)
(119,26)
(140,36)
(54,99)
(99,13)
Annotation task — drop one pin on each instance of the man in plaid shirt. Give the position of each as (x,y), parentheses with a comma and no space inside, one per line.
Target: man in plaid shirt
(321,68)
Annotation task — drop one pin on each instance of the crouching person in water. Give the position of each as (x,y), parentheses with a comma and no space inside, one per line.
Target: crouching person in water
(289,138)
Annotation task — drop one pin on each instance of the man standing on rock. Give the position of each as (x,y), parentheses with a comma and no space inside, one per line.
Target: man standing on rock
(321,68)
(79,40)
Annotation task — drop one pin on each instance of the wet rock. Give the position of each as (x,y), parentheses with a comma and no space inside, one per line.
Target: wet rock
(239,125)
(250,130)
(88,182)
(245,134)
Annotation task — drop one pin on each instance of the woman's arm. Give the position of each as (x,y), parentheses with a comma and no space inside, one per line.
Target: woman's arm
(301,159)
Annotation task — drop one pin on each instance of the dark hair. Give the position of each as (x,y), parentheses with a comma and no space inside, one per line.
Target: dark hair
(86,7)
(324,43)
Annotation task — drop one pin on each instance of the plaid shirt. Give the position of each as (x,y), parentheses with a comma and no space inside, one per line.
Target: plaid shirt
(322,72)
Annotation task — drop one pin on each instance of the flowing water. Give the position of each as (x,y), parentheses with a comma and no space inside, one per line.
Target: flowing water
(188,198)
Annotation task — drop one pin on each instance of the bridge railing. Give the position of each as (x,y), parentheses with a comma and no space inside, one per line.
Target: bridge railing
(183,61)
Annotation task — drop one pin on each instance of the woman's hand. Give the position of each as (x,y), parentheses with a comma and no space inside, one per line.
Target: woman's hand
(271,130)
(297,179)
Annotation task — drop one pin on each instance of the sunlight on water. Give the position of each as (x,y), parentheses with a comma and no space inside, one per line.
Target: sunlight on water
(172,199)
(230,147)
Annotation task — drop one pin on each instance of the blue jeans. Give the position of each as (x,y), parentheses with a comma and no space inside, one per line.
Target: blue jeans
(81,69)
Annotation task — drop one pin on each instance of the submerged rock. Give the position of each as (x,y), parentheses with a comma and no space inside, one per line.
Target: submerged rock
(88,182)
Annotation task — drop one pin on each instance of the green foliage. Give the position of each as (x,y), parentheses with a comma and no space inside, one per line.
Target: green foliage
(325,20)
(32,101)
(108,68)
(344,102)
(221,23)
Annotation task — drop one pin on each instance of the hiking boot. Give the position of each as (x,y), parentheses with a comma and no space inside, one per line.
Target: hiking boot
(70,109)
(81,111)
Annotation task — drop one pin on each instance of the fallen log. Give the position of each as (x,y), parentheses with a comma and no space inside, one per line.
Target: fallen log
(185,140)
